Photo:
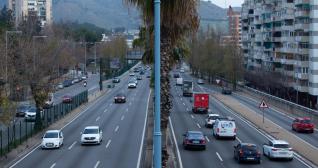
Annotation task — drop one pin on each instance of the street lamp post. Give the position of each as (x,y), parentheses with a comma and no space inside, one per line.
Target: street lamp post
(8,32)
(33,39)
(157,133)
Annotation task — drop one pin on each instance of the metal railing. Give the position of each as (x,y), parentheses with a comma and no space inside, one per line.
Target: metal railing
(16,133)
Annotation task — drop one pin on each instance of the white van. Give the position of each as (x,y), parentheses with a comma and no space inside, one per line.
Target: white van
(179,82)
(224,127)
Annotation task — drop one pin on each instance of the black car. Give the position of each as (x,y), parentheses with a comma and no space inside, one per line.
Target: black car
(142,72)
(120,98)
(139,77)
(194,139)
(22,109)
(176,75)
(226,90)
(116,80)
(247,152)
(148,75)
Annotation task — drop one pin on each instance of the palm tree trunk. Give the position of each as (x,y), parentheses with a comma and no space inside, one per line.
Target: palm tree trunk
(166,102)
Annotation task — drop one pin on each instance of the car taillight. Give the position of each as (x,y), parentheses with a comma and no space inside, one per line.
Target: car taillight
(258,153)
(187,141)
(290,149)
(218,130)
(274,149)
(241,152)
(202,141)
(235,130)
(116,97)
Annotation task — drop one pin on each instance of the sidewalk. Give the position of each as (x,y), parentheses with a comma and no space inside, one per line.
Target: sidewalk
(303,148)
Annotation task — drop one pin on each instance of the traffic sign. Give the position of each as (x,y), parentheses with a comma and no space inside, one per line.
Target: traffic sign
(263,104)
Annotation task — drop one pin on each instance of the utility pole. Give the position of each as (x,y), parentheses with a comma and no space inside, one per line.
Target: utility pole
(157,133)
(8,32)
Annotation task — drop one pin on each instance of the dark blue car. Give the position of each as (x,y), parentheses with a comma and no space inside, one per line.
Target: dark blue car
(67,83)
(247,152)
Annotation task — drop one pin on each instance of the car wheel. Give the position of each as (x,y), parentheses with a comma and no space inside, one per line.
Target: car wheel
(264,152)
(259,162)
(312,131)
(239,160)
(269,156)
(291,159)
(204,148)
(234,137)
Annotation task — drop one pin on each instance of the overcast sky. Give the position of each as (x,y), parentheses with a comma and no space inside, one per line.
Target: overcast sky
(226,3)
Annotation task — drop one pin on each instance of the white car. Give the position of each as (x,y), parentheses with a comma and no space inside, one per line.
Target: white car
(52,139)
(278,149)
(92,135)
(182,70)
(30,114)
(210,120)
(132,74)
(132,84)
(60,86)
(224,127)
(84,77)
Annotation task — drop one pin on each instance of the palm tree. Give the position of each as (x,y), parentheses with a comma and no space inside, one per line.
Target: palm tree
(179,18)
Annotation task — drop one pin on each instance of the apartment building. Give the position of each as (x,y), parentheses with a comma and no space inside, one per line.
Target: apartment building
(22,8)
(234,21)
(282,36)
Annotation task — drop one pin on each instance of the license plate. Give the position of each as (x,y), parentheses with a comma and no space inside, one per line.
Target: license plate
(196,142)
(283,153)
(223,131)
(250,158)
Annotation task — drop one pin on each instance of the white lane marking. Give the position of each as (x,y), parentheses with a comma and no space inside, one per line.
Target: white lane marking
(97,118)
(69,148)
(110,104)
(122,117)
(219,156)
(97,163)
(108,143)
(126,109)
(198,125)
(36,146)
(129,103)
(143,133)
(192,116)
(105,110)
(53,165)
(238,139)
(183,104)
(176,144)
(92,88)
(187,109)
(206,137)
(181,99)
(116,129)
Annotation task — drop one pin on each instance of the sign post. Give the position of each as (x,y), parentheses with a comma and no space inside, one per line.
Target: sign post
(262,106)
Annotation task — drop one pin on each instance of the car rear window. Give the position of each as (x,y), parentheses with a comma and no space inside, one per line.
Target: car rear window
(305,121)
(281,145)
(90,131)
(227,124)
(213,117)
(195,136)
(51,135)
(249,147)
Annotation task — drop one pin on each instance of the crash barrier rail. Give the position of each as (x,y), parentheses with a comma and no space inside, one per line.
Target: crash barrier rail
(287,106)
(18,132)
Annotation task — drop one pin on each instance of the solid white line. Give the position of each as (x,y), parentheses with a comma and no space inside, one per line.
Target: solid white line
(143,134)
(105,110)
(192,116)
(183,104)
(176,144)
(97,118)
(36,146)
(53,165)
(198,125)
(116,129)
(219,156)
(108,143)
(238,139)
(206,137)
(97,163)
(126,109)
(122,118)
(69,148)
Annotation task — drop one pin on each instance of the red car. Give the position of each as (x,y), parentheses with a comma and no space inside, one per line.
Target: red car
(67,99)
(303,124)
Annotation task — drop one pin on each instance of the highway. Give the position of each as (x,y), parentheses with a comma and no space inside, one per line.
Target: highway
(219,153)
(122,126)
(279,118)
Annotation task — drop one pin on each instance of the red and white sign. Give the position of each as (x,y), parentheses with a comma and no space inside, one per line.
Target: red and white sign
(263,104)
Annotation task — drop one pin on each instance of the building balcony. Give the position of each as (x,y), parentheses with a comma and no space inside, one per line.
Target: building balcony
(288,73)
(287,61)
(301,2)
(302,38)
(287,38)
(289,50)
(287,5)
(259,38)
(302,13)
(277,39)
(302,26)
(299,63)
(302,76)
(303,51)
(287,27)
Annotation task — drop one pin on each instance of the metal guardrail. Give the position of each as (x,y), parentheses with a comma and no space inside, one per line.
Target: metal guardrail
(291,105)
(16,133)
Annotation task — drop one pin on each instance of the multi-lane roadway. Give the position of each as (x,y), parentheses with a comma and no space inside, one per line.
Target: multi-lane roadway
(123,128)
(219,153)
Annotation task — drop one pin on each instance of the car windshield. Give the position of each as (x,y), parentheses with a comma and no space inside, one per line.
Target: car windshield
(195,136)
(227,125)
(120,95)
(281,145)
(51,135)
(306,121)
(91,131)
(213,117)
(23,108)
(249,147)
(32,109)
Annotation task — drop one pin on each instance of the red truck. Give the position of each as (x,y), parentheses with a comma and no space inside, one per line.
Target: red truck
(200,102)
